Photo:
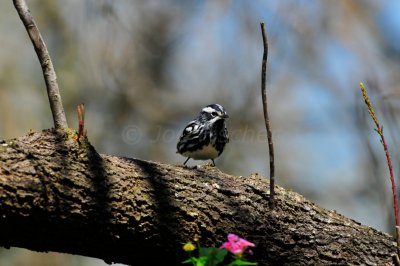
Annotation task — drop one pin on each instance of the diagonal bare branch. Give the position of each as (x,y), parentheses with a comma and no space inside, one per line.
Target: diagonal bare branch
(49,74)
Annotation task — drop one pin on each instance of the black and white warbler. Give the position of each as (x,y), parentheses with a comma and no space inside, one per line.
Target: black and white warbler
(205,137)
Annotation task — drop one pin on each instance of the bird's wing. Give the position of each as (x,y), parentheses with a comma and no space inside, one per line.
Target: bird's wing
(190,133)
(191,129)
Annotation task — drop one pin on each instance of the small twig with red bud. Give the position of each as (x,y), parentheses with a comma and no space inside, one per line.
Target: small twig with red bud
(80,109)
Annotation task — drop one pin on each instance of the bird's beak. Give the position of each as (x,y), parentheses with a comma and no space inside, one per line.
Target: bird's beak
(224,115)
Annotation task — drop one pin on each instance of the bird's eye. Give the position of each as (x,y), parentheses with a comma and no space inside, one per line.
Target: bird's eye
(214,113)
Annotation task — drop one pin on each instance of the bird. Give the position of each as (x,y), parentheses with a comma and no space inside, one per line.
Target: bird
(205,137)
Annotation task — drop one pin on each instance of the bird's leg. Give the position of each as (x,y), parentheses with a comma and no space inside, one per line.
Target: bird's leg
(186,161)
(213,162)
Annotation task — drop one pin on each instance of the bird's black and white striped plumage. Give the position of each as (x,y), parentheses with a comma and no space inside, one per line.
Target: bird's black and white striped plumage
(205,137)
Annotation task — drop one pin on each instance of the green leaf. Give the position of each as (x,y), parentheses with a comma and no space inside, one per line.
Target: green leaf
(201,261)
(188,261)
(214,255)
(239,262)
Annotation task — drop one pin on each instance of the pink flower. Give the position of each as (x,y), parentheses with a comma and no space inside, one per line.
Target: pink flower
(236,245)
(233,238)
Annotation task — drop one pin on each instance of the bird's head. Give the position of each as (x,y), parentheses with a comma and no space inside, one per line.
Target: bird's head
(212,113)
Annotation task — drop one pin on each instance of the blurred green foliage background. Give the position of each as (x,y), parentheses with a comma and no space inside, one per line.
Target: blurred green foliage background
(146,68)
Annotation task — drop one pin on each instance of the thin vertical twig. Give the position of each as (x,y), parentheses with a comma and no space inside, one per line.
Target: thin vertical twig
(49,74)
(80,109)
(379,130)
(266,117)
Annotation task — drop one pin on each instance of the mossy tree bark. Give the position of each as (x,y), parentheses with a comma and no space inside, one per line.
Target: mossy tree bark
(57,195)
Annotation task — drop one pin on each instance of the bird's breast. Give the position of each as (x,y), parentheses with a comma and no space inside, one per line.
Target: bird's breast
(205,153)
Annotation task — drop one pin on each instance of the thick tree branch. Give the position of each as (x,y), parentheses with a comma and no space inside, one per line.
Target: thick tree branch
(57,195)
(49,74)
